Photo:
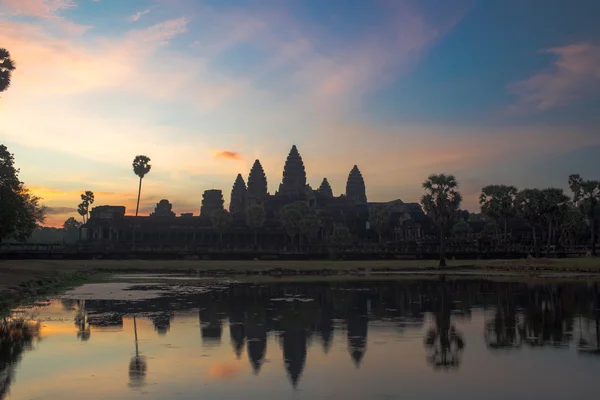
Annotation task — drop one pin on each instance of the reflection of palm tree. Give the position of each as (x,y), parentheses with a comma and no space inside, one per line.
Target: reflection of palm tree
(503,332)
(83,332)
(137,365)
(443,342)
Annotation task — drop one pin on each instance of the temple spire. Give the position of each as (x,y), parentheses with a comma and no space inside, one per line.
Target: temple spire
(257,185)
(355,187)
(325,188)
(294,174)
(237,203)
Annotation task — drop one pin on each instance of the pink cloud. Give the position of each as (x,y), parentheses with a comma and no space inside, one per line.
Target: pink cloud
(228,154)
(136,17)
(36,8)
(575,74)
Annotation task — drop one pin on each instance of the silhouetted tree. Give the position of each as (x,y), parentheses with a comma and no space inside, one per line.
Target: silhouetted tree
(380,219)
(7,66)
(71,230)
(586,196)
(498,203)
(82,210)
(461,229)
(87,199)
(441,202)
(530,207)
(555,204)
(340,238)
(221,221)
(290,216)
(20,211)
(141,167)
(310,224)
(255,219)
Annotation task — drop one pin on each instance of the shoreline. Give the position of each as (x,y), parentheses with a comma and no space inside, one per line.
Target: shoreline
(26,280)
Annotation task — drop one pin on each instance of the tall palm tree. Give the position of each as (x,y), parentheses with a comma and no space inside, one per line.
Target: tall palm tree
(141,166)
(441,203)
(529,204)
(6,67)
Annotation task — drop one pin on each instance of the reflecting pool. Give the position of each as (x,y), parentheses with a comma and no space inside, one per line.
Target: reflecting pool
(215,339)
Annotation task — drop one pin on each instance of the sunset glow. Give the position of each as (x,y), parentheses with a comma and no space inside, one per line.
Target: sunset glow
(490,91)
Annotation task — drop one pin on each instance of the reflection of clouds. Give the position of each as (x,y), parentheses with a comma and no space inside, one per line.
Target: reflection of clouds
(224,371)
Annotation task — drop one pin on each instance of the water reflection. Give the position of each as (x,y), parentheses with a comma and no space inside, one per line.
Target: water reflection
(441,314)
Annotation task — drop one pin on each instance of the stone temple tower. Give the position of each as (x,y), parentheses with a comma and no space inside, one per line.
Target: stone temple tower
(257,185)
(325,189)
(212,200)
(237,204)
(294,175)
(355,187)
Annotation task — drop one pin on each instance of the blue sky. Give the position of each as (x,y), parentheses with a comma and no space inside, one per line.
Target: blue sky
(493,91)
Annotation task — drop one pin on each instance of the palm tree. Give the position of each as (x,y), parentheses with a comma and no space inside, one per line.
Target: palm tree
(87,199)
(530,207)
(221,220)
(441,203)
(137,364)
(498,203)
(82,210)
(380,219)
(255,219)
(6,67)
(341,237)
(554,207)
(586,196)
(141,166)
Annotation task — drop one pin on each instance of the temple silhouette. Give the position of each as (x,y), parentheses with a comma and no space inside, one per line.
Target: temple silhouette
(109,223)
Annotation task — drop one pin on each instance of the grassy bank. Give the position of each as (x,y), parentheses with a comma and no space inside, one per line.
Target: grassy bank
(26,279)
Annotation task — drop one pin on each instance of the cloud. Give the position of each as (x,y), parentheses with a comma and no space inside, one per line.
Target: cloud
(36,8)
(136,17)
(231,155)
(575,74)
(60,210)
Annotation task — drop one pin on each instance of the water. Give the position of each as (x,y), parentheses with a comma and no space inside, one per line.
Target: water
(415,339)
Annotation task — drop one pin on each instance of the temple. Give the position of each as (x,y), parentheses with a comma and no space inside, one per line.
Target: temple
(110,224)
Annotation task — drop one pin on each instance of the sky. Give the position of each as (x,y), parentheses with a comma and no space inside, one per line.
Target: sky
(492,91)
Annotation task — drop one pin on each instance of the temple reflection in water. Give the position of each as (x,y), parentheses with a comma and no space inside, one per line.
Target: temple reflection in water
(299,316)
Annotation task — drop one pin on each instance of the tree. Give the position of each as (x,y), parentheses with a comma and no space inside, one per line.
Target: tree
(255,219)
(87,199)
(221,220)
(586,196)
(82,210)
(141,167)
(530,208)
(71,230)
(440,203)
(20,211)
(290,216)
(380,219)
(461,228)
(555,204)
(6,67)
(341,237)
(310,224)
(498,203)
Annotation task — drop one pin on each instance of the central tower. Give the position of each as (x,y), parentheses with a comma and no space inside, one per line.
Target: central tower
(294,175)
